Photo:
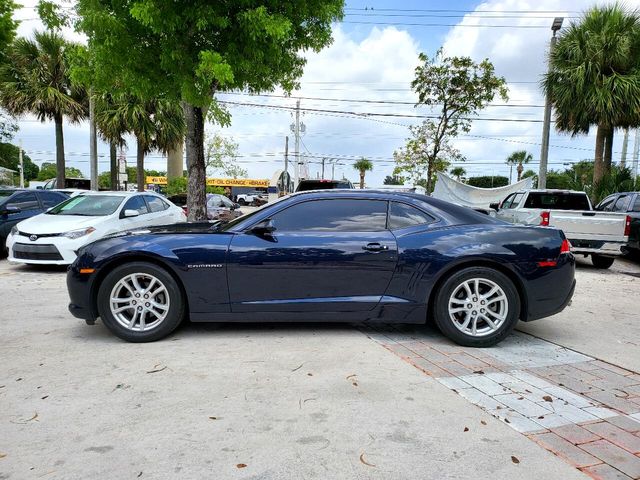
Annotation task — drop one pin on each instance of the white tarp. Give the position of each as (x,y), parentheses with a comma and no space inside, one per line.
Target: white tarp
(462,194)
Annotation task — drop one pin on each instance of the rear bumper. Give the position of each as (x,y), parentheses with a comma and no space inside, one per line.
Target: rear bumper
(597,247)
(551,291)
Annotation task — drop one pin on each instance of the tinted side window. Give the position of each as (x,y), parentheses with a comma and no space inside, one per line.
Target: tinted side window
(155,204)
(621,204)
(636,205)
(516,200)
(24,201)
(507,201)
(51,199)
(333,216)
(136,203)
(606,203)
(402,215)
(558,201)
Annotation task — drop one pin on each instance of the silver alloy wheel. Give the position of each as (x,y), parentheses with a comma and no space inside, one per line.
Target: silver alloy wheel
(139,302)
(478,307)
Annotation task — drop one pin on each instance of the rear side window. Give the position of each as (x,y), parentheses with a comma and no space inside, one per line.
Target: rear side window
(622,204)
(155,204)
(557,201)
(402,215)
(51,199)
(333,216)
(636,205)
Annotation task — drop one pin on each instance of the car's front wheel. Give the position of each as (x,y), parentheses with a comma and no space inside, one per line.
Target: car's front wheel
(477,307)
(140,302)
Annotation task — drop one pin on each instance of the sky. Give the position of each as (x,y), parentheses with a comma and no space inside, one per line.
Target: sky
(370,63)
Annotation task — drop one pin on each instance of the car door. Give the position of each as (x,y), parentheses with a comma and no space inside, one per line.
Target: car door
(324,256)
(504,212)
(136,202)
(28,206)
(159,213)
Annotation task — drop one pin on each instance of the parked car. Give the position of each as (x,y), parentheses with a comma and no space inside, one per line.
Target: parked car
(346,256)
(629,204)
(69,183)
(601,235)
(307,185)
(220,207)
(19,204)
(256,198)
(55,236)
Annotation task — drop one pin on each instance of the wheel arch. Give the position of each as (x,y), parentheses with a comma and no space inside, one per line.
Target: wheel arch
(477,262)
(134,257)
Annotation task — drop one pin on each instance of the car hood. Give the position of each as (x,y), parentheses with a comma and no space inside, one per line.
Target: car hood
(200,227)
(48,224)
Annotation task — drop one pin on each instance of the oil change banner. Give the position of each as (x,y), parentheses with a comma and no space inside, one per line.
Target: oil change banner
(462,194)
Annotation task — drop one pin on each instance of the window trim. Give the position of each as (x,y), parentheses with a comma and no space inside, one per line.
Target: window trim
(249,227)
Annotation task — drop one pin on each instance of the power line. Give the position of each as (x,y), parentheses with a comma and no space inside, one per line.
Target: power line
(445,10)
(472,25)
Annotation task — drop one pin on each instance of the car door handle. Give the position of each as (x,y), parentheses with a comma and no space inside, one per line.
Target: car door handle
(375,247)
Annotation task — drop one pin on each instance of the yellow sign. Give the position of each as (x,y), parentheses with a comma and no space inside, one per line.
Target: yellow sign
(220,182)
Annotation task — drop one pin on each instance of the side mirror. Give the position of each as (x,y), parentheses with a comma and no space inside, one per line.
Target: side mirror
(9,210)
(495,206)
(130,213)
(265,227)
(236,206)
(39,187)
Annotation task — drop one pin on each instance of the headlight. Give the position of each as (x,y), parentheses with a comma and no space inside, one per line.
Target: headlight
(73,234)
(14,230)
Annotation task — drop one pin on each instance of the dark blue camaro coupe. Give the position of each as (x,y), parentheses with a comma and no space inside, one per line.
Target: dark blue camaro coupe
(338,256)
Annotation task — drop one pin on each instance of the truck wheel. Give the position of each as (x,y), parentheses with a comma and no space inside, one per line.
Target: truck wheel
(602,262)
(242,201)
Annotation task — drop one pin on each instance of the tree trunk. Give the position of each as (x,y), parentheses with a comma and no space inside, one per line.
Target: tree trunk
(361,179)
(60,166)
(429,176)
(140,179)
(196,168)
(598,164)
(113,164)
(519,170)
(608,151)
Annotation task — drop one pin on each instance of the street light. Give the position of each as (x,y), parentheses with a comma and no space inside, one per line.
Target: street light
(544,151)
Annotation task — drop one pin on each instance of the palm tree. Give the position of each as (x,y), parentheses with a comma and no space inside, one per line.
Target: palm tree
(594,78)
(458,172)
(519,158)
(111,129)
(36,80)
(156,125)
(363,165)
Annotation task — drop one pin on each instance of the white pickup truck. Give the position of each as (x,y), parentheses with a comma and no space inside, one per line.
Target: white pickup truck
(599,234)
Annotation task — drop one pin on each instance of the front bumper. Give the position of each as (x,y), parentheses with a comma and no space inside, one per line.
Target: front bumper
(53,250)
(80,297)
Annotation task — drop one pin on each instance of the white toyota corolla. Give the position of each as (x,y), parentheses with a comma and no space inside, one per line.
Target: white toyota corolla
(55,236)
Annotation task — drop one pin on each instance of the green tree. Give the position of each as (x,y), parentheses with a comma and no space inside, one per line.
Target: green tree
(457,88)
(176,186)
(488,181)
(49,170)
(10,158)
(8,26)
(221,154)
(594,78)
(518,158)
(189,50)
(36,80)
(363,166)
(393,180)
(458,172)
(156,125)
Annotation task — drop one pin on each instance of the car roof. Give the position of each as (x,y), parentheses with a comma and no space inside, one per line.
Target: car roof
(117,193)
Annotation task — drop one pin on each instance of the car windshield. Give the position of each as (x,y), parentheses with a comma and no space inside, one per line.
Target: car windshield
(88,206)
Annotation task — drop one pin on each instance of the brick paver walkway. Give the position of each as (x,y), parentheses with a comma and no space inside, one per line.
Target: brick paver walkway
(581,409)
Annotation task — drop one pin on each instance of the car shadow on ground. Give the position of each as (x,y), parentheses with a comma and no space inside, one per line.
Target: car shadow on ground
(46,269)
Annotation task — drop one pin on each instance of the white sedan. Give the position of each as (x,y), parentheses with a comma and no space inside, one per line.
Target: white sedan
(55,236)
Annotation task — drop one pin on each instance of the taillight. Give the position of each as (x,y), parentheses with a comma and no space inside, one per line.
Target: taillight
(565,247)
(627,226)
(544,219)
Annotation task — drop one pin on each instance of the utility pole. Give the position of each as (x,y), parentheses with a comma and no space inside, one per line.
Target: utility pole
(286,154)
(93,144)
(634,163)
(21,165)
(296,132)
(544,152)
(323,168)
(333,170)
(625,141)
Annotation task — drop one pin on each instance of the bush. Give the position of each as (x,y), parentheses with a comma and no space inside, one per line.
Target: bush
(488,181)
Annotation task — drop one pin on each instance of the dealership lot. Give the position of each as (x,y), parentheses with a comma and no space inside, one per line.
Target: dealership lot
(297,401)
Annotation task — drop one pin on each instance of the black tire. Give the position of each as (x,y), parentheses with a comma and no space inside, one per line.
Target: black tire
(445,322)
(242,202)
(602,262)
(176,308)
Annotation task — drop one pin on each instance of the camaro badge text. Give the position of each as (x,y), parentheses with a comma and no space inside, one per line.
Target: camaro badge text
(205,265)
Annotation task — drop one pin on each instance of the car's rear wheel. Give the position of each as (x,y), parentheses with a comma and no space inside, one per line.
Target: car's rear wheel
(477,307)
(140,302)
(602,262)
(242,202)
